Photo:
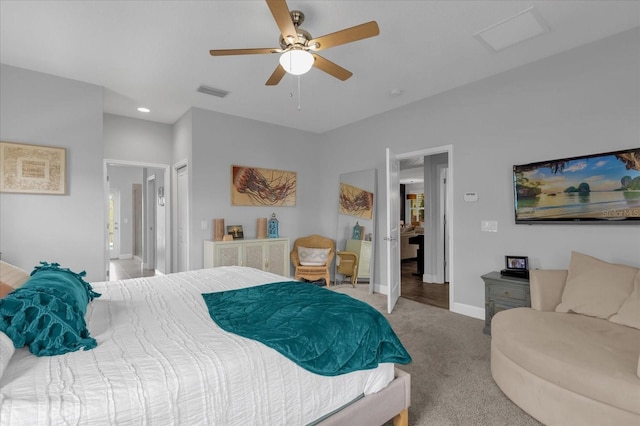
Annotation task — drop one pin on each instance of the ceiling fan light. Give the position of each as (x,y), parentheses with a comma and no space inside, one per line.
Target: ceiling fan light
(296,61)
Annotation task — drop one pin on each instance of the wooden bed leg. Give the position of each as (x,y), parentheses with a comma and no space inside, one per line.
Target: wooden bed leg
(402,418)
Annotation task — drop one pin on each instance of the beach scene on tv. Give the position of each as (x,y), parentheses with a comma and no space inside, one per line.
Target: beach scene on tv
(598,187)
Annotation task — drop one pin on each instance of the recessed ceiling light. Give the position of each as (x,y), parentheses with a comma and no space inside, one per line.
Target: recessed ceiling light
(396,92)
(520,27)
(143,109)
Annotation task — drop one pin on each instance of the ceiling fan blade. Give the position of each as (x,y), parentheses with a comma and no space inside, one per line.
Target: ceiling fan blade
(276,76)
(280,12)
(348,35)
(330,68)
(227,52)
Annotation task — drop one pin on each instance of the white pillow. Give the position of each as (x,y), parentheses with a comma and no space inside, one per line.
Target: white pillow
(596,288)
(6,351)
(313,256)
(629,313)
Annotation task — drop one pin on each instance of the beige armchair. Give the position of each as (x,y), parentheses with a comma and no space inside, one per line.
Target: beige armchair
(312,256)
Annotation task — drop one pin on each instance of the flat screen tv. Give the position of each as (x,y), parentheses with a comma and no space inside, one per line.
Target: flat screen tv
(597,188)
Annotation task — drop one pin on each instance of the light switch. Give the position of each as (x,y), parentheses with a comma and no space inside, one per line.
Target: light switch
(204,225)
(489,225)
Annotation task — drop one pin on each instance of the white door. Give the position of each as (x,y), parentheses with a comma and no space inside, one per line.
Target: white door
(114,224)
(393,229)
(182,198)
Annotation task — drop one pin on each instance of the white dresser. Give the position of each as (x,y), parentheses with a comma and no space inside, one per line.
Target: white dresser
(363,250)
(271,254)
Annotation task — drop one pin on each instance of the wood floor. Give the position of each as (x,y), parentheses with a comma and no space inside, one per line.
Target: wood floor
(414,289)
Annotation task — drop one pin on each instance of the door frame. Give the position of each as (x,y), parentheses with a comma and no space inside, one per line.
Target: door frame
(448,149)
(174,181)
(116,224)
(150,223)
(107,162)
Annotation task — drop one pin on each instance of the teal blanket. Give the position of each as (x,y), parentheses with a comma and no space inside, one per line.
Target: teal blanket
(325,332)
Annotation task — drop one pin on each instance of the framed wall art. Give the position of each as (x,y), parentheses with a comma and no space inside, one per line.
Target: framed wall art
(252,186)
(355,201)
(32,169)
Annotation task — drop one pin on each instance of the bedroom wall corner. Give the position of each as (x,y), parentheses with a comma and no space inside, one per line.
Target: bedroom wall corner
(43,109)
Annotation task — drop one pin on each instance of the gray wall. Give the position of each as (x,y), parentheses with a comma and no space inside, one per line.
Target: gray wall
(134,140)
(42,109)
(219,141)
(584,101)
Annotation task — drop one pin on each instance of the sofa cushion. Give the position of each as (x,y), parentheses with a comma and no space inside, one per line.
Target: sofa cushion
(629,313)
(594,287)
(585,355)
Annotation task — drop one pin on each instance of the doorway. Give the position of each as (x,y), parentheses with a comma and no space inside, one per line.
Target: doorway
(143,222)
(433,284)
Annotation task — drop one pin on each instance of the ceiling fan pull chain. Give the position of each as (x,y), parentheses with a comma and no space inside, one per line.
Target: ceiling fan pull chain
(299,106)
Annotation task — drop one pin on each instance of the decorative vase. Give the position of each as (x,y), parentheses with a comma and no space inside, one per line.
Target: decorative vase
(262,228)
(218,229)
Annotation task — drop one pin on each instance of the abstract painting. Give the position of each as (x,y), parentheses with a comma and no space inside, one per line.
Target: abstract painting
(252,186)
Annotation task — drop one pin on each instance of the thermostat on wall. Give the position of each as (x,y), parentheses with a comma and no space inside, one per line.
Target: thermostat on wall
(471,196)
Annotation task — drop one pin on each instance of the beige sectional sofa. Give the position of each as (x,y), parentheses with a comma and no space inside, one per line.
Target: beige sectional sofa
(573,358)
(407,250)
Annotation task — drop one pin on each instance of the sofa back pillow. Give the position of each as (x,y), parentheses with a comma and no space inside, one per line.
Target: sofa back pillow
(629,312)
(594,287)
(47,312)
(313,256)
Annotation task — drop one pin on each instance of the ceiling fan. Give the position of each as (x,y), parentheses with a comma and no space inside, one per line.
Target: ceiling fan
(298,47)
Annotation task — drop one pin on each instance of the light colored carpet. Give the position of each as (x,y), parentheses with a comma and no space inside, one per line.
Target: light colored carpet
(451,381)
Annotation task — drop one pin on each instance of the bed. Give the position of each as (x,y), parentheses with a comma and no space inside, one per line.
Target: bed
(160,359)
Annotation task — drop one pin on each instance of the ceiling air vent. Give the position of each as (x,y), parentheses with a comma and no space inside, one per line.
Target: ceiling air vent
(212,91)
(508,32)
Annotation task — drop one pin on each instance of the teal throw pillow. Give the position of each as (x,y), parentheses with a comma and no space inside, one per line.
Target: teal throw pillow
(47,312)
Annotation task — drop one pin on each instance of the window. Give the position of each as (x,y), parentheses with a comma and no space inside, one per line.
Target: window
(416,208)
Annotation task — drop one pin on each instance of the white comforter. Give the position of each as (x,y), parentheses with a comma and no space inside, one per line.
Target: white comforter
(162,360)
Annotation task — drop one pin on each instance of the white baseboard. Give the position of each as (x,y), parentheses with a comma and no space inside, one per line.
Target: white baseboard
(458,308)
(468,310)
(382,289)
(125,256)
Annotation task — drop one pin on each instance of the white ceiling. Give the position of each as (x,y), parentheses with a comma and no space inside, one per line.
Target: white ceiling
(155,53)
